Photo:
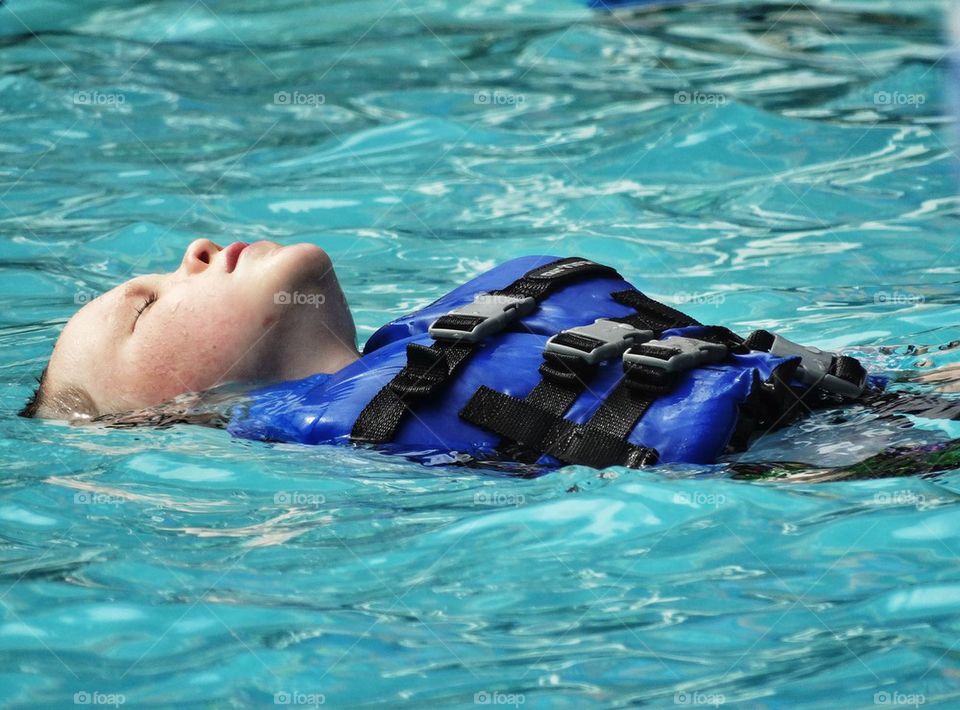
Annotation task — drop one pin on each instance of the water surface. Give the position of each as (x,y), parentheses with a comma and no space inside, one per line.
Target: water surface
(776,166)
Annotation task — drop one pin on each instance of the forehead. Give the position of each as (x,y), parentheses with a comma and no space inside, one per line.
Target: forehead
(90,339)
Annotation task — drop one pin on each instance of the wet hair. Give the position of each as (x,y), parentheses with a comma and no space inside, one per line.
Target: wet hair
(189,408)
(32,406)
(207,408)
(68,402)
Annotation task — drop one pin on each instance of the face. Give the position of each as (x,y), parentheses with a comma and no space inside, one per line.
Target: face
(244,313)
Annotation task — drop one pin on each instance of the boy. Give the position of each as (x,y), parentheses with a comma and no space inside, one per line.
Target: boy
(546,360)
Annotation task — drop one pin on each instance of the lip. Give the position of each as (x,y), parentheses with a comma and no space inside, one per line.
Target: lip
(231,255)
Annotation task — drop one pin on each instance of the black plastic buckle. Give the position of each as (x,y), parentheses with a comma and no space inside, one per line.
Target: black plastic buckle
(675,354)
(488,314)
(816,368)
(603,339)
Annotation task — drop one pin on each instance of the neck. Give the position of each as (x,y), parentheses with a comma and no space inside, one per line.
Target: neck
(320,339)
(309,352)
(336,359)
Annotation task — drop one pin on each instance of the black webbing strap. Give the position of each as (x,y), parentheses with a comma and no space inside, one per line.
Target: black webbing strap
(565,377)
(539,431)
(724,336)
(526,425)
(604,436)
(657,312)
(651,370)
(586,446)
(457,334)
(427,369)
(535,424)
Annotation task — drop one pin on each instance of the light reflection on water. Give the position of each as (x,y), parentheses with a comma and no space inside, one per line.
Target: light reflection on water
(771,167)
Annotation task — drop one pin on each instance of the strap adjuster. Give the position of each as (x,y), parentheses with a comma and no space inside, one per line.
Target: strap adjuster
(487,314)
(604,339)
(818,368)
(675,354)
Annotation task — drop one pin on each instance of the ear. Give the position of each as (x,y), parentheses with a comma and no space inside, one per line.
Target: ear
(71,403)
(32,408)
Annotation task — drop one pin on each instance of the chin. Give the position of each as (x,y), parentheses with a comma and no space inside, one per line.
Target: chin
(294,274)
(306,250)
(304,264)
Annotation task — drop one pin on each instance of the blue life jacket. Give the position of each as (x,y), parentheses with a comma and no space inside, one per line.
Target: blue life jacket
(585,370)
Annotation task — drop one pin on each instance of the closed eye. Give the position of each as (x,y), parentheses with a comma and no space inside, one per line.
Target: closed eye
(148,301)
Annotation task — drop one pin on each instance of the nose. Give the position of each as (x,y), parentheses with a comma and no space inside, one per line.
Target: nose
(198,255)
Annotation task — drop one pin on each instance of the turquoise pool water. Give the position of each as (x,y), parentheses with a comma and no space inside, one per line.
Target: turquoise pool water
(763,165)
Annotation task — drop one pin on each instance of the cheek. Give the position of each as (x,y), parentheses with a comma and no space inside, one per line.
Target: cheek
(191,348)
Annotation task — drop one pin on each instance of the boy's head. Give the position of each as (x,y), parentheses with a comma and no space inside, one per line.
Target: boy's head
(256,312)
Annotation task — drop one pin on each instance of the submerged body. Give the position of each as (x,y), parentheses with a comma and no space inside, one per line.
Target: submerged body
(695,415)
(542,360)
